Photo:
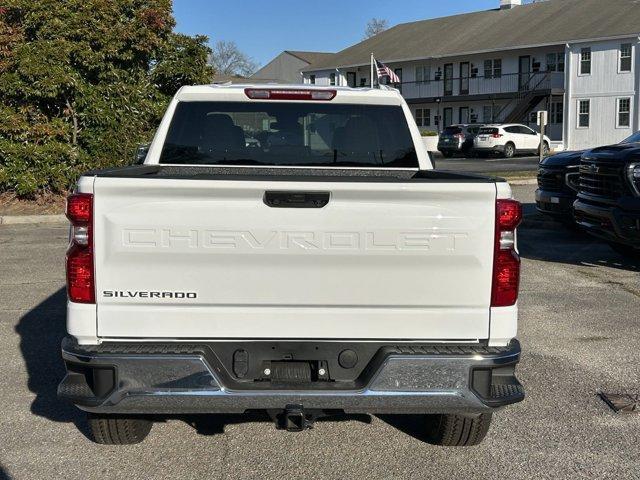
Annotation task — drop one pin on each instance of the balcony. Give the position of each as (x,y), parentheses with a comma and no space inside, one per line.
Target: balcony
(479,88)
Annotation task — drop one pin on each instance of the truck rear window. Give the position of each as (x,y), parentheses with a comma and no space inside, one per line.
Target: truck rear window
(289,134)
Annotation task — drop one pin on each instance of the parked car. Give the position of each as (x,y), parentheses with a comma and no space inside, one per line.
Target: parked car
(558,178)
(608,204)
(458,139)
(559,182)
(211,279)
(509,140)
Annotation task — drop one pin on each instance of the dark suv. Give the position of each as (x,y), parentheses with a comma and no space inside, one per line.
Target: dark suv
(558,178)
(457,139)
(608,204)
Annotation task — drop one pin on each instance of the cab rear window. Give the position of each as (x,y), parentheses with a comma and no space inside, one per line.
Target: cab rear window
(289,134)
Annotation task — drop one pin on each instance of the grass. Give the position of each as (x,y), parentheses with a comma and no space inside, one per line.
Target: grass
(525,175)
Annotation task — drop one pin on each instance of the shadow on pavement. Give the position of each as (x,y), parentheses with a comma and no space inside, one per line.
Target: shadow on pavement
(542,238)
(214,424)
(412,425)
(4,475)
(41,330)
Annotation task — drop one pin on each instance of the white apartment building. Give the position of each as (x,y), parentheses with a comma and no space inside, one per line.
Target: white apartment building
(578,59)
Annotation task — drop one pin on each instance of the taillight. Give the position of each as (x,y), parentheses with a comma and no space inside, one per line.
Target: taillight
(289,94)
(459,135)
(80,276)
(506,262)
(496,135)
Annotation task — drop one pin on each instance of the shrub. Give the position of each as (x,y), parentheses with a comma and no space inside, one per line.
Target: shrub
(83,81)
(428,133)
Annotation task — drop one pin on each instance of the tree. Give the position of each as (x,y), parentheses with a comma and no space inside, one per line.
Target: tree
(82,82)
(375,26)
(227,59)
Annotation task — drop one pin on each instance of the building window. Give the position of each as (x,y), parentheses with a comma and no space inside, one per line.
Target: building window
(423,73)
(584,113)
(493,68)
(624,113)
(557,112)
(625,57)
(555,62)
(585,61)
(423,117)
(488,113)
(312,79)
(332,79)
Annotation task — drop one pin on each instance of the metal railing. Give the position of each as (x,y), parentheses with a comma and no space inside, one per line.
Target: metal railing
(506,83)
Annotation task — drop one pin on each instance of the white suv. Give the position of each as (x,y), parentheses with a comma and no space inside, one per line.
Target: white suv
(509,139)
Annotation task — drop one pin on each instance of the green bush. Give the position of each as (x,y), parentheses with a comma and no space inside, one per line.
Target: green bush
(82,82)
(428,133)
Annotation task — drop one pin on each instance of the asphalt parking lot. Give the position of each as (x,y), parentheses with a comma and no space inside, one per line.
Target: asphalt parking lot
(579,330)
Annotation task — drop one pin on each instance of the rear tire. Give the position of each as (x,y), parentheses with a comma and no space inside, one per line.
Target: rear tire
(449,430)
(109,430)
(626,250)
(509,150)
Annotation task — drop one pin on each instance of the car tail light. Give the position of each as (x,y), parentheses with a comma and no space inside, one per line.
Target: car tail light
(496,135)
(80,274)
(459,135)
(506,262)
(289,94)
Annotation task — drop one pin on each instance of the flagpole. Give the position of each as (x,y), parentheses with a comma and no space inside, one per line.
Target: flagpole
(372,69)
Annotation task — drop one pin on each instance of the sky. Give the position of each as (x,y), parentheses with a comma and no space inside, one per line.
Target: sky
(264,28)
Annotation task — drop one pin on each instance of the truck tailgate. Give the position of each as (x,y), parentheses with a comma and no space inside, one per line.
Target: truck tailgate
(177,258)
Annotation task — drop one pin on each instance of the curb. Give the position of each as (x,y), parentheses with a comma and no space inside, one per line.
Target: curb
(524,181)
(31,219)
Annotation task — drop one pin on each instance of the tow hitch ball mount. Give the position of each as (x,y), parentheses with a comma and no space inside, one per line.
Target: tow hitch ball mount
(293,418)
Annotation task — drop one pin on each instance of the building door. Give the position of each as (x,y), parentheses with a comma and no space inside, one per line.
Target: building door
(351,79)
(448,79)
(464,115)
(464,78)
(448,117)
(524,72)
(398,72)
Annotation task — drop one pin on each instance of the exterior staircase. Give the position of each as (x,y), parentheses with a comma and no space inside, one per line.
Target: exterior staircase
(530,94)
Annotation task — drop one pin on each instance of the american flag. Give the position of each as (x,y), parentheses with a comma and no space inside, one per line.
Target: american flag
(384,71)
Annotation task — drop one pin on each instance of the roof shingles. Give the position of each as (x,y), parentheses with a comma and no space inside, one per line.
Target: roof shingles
(543,23)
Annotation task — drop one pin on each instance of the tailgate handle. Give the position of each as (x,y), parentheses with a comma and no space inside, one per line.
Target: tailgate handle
(296,199)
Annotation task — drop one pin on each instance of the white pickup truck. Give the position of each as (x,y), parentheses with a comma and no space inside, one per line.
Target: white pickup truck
(291,249)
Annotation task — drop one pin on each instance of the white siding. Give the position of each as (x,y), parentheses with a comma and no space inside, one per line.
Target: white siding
(603,87)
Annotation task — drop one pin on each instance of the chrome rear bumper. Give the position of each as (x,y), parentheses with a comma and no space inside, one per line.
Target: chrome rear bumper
(179,379)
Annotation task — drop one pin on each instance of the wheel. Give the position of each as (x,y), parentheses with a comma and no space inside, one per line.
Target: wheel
(509,150)
(626,250)
(545,149)
(451,430)
(108,430)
